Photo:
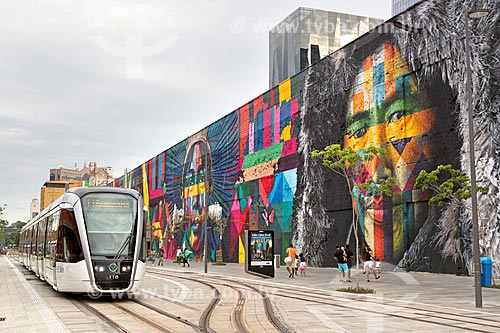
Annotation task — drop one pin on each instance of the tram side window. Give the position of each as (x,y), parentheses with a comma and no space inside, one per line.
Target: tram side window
(42,229)
(33,239)
(51,247)
(69,246)
(25,242)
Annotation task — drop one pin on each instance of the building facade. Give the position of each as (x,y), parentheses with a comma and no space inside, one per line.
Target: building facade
(61,173)
(100,176)
(51,190)
(34,208)
(307,35)
(393,88)
(399,6)
(91,175)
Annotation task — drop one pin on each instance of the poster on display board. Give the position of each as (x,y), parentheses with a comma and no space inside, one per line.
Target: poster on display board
(260,252)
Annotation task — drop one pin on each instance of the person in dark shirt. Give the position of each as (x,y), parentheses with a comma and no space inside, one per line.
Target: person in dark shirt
(368,265)
(341,259)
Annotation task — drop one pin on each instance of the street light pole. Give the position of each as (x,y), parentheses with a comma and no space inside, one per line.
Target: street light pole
(205,245)
(474,14)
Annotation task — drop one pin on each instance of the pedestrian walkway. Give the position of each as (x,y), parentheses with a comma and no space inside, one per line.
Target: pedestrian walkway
(425,289)
(27,308)
(30,305)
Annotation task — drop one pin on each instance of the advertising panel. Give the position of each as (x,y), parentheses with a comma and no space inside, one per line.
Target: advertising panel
(260,253)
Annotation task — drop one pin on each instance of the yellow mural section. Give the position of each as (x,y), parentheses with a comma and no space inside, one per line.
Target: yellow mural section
(285,89)
(241,251)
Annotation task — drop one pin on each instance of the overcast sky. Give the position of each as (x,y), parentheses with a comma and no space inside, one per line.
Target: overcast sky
(117,82)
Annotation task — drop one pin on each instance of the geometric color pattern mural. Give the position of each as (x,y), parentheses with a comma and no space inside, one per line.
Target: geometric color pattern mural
(400,87)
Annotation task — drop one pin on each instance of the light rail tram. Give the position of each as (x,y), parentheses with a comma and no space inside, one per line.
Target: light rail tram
(90,240)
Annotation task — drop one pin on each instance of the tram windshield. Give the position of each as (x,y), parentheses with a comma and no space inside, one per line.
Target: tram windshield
(110,219)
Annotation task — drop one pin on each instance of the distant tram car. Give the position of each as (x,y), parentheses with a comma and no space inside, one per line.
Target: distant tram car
(90,240)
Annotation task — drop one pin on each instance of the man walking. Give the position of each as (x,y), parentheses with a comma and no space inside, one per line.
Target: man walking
(290,261)
(340,257)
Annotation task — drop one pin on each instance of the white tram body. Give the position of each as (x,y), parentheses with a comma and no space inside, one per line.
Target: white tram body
(90,240)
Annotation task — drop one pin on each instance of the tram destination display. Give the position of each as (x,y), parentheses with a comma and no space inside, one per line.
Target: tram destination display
(260,252)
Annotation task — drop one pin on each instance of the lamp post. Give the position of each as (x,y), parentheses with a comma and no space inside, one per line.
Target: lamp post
(214,213)
(473,14)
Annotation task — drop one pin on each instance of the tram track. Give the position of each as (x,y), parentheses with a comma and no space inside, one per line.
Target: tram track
(434,317)
(124,306)
(320,298)
(204,321)
(238,316)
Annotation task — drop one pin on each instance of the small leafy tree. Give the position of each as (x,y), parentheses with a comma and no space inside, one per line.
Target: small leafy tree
(219,225)
(448,184)
(3,223)
(347,163)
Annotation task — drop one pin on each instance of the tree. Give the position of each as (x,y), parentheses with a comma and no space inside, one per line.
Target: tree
(219,225)
(3,223)
(448,184)
(18,224)
(347,163)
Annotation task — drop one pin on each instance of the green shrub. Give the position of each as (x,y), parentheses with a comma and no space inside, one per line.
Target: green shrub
(360,290)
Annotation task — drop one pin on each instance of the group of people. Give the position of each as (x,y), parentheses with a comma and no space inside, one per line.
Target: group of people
(261,249)
(295,263)
(183,256)
(343,257)
(156,256)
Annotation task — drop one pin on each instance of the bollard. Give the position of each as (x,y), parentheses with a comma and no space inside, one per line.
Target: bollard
(277,259)
(486,265)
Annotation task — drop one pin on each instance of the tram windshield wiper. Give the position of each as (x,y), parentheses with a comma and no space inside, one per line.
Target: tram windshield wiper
(124,245)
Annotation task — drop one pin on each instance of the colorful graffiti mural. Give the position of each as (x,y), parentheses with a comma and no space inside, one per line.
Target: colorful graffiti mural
(397,88)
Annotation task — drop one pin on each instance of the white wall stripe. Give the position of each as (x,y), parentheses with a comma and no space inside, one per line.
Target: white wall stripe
(46,313)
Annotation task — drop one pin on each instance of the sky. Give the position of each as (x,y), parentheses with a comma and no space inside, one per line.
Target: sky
(118,82)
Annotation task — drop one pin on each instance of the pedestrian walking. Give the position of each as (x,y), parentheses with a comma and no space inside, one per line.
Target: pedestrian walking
(152,255)
(289,260)
(302,265)
(160,256)
(368,265)
(185,256)
(341,259)
(178,255)
(349,256)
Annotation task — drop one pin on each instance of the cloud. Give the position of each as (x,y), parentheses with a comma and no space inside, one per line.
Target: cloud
(64,99)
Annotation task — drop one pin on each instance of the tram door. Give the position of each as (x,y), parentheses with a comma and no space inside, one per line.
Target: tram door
(51,248)
(42,229)
(34,250)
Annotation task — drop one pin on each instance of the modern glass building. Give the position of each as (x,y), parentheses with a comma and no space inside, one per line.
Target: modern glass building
(399,6)
(307,35)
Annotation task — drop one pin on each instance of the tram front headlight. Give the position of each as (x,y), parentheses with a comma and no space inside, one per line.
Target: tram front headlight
(101,269)
(124,269)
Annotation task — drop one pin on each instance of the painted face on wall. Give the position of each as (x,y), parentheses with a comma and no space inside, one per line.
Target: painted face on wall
(388,110)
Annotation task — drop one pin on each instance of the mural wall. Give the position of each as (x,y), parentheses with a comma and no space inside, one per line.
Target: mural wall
(400,87)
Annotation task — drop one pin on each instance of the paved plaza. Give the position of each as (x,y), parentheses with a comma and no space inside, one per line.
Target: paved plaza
(30,305)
